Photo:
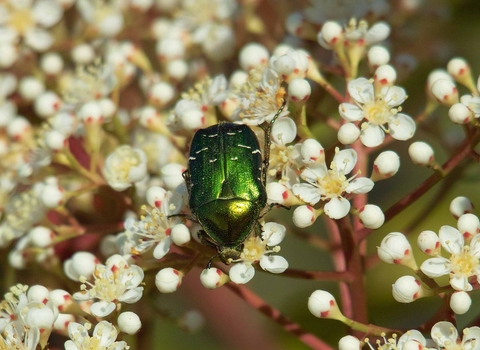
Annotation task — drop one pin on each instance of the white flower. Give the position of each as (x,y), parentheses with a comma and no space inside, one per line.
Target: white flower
(258,249)
(104,17)
(115,282)
(446,336)
(330,184)
(154,229)
(380,110)
(463,262)
(104,336)
(284,159)
(29,19)
(260,97)
(411,339)
(10,307)
(125,166)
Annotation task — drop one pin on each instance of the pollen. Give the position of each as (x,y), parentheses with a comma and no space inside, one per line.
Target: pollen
(464,263)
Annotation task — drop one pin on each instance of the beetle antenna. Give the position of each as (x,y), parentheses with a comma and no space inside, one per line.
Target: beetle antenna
(266,148)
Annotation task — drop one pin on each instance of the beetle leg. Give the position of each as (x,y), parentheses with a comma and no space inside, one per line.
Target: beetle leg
(186,216)
(269,207)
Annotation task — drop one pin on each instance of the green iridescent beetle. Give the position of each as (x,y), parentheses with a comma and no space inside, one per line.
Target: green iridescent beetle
(226,181)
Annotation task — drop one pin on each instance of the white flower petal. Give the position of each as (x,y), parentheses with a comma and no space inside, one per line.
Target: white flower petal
(38,39)
(47,12)
(360,185)
(284,131)
(394,95)
(274,263)
(436,267)
(162,248)
(131,296)
(273,233)
(106,333)
(402,127)
(444,333)
(460,282)
(337,208)
(345,160)
(102,308)
(313,171)
(471,335)
(451,239)
(241,273)
(372,135)
(307,193)
(350,112)
(361,90)
(376,33)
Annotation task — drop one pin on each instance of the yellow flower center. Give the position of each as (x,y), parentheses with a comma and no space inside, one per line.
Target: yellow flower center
(333,184)
(464,263)
(377,112)
(21,20)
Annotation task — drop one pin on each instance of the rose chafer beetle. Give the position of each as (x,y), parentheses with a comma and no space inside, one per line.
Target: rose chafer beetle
(226,181)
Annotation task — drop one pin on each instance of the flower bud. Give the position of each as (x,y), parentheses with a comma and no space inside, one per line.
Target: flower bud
(155,196)
(371,216)
(407,289)
(385,75)
(304,216)
(38,293)
(468,225)
(192,119)
(91,113)
(51,63)
(312,152)
(180,235)
(161,94)
(460,205)
(428,242)
(385,165)
(213,278)
(322,304)
(61,299)
(445,92)
(349,342)
(41,236)
(237,79)
(253,55)
(458,68)
(47,104)
(52,196)
(168,280)
(19,129)
(30,88)
(460,114)
(460,302)
(284,66)
(377,56)
(171,175)
(177,69)
(169,49)
(55,140)
(299,90)
(396,249)
(80,264)
(330,34)
(421,153)
(82,54)
(348,133)
(9,55)
(129,322)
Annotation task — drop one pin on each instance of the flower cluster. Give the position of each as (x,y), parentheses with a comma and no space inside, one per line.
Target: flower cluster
(109,190)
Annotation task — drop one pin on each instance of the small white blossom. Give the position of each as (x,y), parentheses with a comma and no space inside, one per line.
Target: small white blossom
(380,110)
(462,263)
(258,249)
(125,166)
(104,336)
(445,335)
(331,184)
(115,282)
